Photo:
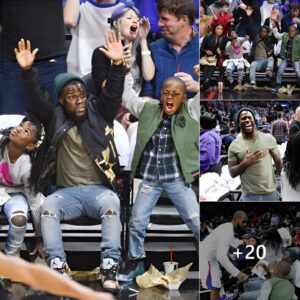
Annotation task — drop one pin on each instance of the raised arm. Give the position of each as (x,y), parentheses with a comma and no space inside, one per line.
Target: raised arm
(42,278)
(148,68)
(110,98)
(71,13)
(130,98)
(37,98)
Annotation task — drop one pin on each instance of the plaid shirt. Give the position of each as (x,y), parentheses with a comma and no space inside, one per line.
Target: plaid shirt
(159,157)
(288,51)
(280,130)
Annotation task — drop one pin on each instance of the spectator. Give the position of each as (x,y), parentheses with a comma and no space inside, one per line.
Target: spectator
(289,53)
(266,9)
(273,18)
(223,17)
(229,138)
(167,159)
(278,285)
(250,157)
(214,251)
(81,158)
(205,23)
(247,18)
(292,18)
(210,146)
(236,61)
(42,23)
(211,52)
(290,184)
(264,125)
(88,21)
(178,50)
(295,124)
(280,129)
(137,56)
(261,52)
(20,166)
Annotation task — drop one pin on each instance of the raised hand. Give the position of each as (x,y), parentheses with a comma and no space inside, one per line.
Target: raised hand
(191,84)
(24,56)
(144,28)
(114,46)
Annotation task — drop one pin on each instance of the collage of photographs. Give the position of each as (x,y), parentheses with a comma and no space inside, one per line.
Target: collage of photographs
(249,150)
(99,149)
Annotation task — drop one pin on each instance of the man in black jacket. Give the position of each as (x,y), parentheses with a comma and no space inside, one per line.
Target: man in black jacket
(82,156)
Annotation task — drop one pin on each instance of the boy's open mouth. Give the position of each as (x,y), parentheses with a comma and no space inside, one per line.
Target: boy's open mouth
(170,104)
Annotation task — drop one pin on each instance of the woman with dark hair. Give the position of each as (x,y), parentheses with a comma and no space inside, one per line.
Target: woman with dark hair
(290,180)
(210,146)
(211,52)
(19,172)
(271,242)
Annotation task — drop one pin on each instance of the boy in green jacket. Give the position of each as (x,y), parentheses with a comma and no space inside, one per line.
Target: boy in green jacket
(167,156)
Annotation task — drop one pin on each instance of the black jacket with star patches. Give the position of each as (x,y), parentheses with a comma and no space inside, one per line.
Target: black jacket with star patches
(96,129)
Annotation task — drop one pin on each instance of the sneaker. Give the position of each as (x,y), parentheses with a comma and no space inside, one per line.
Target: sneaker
(133,268)
(59,265)
(109,270)
(269,74)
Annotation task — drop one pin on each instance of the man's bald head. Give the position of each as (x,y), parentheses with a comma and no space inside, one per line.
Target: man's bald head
(239,221)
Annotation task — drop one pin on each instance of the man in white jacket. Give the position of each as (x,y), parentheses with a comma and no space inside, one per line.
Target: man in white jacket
(214,250)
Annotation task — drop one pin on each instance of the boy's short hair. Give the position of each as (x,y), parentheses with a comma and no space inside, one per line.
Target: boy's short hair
(178,80)
(179,8)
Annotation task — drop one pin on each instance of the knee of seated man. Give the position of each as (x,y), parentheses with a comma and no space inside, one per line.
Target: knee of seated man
(110,201)
(18,219)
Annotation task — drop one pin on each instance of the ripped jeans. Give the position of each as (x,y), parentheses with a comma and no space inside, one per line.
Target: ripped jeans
(16,212)
(95,201)
(183,198)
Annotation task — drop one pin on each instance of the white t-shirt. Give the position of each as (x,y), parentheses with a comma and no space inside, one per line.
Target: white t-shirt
(88,34)
(287,192)
(216,246)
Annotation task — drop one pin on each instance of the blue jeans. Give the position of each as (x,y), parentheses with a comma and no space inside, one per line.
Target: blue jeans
(12,93)
(232,67)
(148,194)
(256,197)
(252,289)
(283,65)
(16,206)
(260,65)
(95,201)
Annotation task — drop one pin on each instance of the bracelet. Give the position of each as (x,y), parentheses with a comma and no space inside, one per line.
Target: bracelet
(146,52)
(117,62)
